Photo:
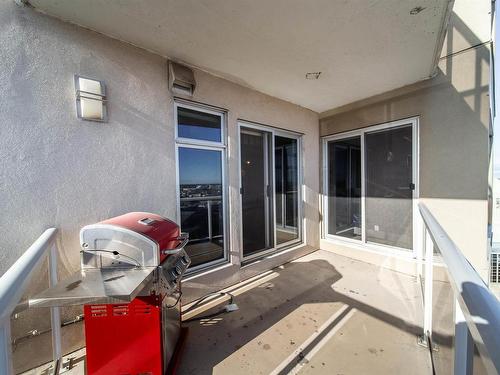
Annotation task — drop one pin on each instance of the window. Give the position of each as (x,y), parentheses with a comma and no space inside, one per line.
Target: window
(198,125)
(201,183)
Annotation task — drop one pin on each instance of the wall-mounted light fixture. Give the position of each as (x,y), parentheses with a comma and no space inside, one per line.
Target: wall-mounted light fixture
(90,99)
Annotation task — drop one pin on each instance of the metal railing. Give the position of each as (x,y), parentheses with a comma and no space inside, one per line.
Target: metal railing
(12,287)
(477,310)
(209,200)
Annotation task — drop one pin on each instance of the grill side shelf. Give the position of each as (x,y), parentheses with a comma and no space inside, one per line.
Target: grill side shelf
(95,286)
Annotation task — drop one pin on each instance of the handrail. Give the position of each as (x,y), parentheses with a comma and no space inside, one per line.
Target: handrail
(479,306)
(205,198)
(209,200)
(12,287)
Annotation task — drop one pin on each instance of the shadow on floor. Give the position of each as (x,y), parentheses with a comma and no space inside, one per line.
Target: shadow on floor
(296,285)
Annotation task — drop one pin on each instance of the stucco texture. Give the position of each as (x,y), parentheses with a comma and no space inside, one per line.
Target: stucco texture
(59,171)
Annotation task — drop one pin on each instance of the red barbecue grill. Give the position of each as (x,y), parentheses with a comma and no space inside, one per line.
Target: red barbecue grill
(129,284)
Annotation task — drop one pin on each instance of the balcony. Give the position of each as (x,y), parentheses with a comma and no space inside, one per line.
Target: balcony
(326,313)
(298,144)
(320,314)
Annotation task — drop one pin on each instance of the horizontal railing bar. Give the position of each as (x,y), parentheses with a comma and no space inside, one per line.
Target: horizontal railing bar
(193,240)
(479,306)
(15,279)
(209,198)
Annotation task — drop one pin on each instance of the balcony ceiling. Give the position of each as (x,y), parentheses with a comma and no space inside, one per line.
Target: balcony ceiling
(361,47)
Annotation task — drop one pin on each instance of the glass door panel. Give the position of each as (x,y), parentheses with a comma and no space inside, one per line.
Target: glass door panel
(286,189)
(201,203)
(344,188)
(279,176)
(389,187)
(255,184)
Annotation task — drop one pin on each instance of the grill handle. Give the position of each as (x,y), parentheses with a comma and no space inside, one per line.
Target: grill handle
(184,238)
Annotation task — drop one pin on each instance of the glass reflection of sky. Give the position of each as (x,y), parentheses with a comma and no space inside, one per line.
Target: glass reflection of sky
(199,166)
(198,125)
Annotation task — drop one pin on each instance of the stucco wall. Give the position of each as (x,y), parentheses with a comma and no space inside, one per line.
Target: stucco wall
(63,172)
(454,137)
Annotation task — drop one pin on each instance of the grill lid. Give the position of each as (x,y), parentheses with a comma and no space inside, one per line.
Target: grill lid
(143,238)
(159,229)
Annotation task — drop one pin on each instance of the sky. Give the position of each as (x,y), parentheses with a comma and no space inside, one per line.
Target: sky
(199,166)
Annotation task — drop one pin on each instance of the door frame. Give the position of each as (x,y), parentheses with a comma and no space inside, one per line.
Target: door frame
(387,249)
(283,213)
(300,221)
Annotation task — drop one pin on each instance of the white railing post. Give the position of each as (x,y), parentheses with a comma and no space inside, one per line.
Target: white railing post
(429,254)
(55,317)
(464,348)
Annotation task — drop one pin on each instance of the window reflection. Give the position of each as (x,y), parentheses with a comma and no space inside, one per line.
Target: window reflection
(198,125)
(344,188)
(201,205)
(255,200)
(286,189)
(389,191)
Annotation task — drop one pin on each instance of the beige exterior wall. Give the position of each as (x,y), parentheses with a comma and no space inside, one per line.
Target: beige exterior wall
(453,110)
(63,172)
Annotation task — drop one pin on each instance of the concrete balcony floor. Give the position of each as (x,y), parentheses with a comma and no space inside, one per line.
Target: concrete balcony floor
(320,314)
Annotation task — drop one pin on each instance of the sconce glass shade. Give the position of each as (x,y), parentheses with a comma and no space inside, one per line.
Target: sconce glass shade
(90,99)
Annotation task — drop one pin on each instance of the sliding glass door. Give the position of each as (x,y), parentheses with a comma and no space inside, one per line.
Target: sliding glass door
(270,194)
(344,188)
(370,185)
(255,198)
(389,187)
